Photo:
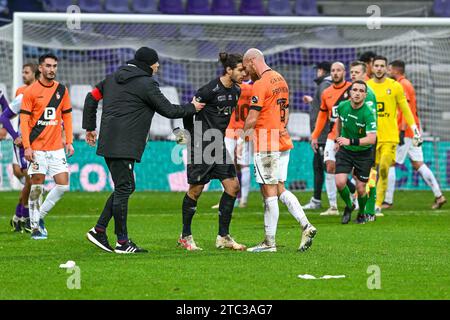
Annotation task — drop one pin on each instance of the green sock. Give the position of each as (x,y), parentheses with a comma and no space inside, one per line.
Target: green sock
(370,205)
(345,195)
(362,203)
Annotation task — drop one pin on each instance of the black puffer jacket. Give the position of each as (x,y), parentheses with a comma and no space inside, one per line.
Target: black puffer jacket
(130,99)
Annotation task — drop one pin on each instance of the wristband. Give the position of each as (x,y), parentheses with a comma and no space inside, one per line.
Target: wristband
(354,142)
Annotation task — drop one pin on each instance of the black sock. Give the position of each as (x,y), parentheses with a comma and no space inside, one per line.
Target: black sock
(351,187)
(226,207)
(189,207)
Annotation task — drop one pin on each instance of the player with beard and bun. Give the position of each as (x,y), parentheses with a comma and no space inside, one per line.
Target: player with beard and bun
(390,94)
(209,159)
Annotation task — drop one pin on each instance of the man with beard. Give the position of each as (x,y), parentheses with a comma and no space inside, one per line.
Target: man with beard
(390,94)
(331,97)
(207,154)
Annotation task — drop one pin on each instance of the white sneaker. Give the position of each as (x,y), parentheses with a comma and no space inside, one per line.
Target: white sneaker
(312,204)
(188,243)
(308,235)
(216,206)
(378,212)
(266,246)
(331,211)
(228,242)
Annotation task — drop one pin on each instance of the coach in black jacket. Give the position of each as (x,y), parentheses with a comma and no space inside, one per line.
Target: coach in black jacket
(130,99)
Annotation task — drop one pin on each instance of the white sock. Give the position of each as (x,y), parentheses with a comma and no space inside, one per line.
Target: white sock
(245,183)
(271,215)
(389,197)
(52,198)
(430,180)
(330,184)
(294,207)
(34,205)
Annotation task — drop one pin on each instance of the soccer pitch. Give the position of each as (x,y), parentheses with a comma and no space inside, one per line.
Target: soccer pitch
(410,245)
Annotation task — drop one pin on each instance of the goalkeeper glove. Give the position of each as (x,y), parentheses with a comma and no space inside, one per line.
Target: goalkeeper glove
(401,138)
(180,136)
(417,138)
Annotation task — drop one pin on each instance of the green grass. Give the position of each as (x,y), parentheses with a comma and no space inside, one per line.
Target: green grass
(410,245)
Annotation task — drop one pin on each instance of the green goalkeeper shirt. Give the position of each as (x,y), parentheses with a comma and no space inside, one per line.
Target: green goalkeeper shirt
(356,123)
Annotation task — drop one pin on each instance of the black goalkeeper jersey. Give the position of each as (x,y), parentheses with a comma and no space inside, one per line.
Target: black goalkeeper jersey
(219,104)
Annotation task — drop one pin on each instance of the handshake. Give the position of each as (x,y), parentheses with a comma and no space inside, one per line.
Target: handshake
(180,135)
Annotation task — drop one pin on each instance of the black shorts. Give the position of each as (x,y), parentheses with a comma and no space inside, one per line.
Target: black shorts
(203,173)
(359,161)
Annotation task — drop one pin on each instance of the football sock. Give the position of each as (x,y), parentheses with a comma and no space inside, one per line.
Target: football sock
(245,183)
(385,164)
(19,209)
(345,194)
(271,215)
(389,198)
(52,198)
(33,203)
(25,212)
(370,204)
(188,209)
(225,212)
(362,201)
(430,179)
(330,184)
(294,207)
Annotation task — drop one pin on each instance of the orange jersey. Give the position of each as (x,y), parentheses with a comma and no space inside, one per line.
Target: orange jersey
(241,111)
(43,110)
(271,97)
(410,94)
(331,97)
(21,90)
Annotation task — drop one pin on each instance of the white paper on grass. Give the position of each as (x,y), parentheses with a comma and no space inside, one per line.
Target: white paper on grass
(68,265)
(325,277)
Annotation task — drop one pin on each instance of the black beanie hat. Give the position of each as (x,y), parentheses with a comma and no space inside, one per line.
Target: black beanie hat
(147,55)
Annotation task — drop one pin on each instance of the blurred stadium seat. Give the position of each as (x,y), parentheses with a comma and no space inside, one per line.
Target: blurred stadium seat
(252,8)
(441,8)
(171,7)
(173,73)
(223,7)
(56,5)
(279,8)
(306,8)
(198,7)
(117,6)
(299,126)
(161,126)
(145,6)
(90,6)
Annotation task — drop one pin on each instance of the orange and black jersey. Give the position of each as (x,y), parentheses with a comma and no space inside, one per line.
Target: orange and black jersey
(43,110)
(331,97)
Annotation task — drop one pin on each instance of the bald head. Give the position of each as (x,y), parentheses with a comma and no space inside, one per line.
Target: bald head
(254,63)
(337,72)
(253,53)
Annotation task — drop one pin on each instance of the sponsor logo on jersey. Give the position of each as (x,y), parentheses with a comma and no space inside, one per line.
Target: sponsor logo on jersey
(47,122)
(221,98)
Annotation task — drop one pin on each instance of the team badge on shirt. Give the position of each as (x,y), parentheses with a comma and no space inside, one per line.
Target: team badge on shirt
(58,96)
(255,99)
(388,91)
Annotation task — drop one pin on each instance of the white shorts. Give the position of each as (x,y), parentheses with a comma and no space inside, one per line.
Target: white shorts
(49,162)
(271,167)
(414,153)
(329,154)
(231,145)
